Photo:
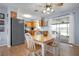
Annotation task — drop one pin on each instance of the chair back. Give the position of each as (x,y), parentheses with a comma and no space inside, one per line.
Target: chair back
(30,41)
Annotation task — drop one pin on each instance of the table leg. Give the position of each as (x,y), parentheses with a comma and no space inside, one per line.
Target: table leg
(43,49)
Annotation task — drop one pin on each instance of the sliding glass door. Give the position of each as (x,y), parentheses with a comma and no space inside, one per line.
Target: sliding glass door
(60,30)
(64,29)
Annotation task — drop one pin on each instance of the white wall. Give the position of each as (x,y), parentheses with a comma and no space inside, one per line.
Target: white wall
(3,35)
(6,34)
(76,26)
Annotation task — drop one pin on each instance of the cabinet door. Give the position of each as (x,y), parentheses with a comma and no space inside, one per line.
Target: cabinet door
(42,23)
(13,14)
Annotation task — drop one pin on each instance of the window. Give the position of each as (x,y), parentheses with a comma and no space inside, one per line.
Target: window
(60,27)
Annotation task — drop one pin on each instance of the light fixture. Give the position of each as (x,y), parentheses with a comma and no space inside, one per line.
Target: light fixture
(27,15)
(49,7)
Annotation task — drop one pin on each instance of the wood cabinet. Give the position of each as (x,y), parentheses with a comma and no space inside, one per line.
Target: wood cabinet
(29,24)
(32,32)
(32,24)
(42,23)
(13,14)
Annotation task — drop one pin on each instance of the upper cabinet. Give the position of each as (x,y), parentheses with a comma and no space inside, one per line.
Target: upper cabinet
(42,23)
(30,24)
(13,14)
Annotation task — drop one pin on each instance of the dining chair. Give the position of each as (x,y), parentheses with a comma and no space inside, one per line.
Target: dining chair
(31,45)
(53,48)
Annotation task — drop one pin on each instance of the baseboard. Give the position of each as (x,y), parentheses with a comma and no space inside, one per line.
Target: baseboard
(3,45)
(76,44)
(73,44)
(8,46)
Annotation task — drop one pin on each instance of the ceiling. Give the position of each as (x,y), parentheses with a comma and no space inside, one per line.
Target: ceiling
(29,8)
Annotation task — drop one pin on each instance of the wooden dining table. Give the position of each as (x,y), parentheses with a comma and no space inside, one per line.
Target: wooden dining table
(42,41)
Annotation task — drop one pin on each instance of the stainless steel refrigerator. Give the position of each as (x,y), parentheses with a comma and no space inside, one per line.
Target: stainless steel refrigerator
(17,32)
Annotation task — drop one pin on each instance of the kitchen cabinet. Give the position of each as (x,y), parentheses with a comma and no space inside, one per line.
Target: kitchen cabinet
(29,24)
(42,23)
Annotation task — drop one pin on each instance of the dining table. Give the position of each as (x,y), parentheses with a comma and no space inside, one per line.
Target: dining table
(42,41)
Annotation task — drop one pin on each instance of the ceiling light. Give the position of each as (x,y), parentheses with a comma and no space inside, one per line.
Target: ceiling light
(44,11)
(48,12)
(52,10)
(49,7)
(27,15)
